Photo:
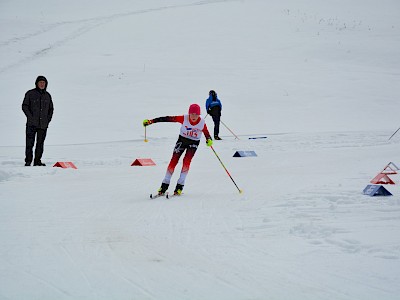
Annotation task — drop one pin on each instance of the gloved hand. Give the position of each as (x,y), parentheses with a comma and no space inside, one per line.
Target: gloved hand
(209,142)
(147,122)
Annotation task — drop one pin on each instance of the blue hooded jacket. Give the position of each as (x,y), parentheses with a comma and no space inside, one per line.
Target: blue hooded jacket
(213,105)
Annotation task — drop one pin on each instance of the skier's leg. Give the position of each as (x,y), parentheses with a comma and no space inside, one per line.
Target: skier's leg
(178,151)
(186,166)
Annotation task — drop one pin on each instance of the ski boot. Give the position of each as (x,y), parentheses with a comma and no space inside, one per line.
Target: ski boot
(163,189)
(178,189)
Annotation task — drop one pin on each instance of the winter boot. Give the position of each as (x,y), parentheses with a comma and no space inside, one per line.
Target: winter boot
(178,189)
(39,163)
(163,188)
(217,138)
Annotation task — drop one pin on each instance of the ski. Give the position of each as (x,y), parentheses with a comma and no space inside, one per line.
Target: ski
(168,196)
(156,196)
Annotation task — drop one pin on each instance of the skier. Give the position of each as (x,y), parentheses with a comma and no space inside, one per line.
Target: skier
(189,138)
(214,107)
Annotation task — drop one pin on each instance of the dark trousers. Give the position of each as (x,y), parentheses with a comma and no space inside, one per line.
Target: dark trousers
(32,133)
(217,120)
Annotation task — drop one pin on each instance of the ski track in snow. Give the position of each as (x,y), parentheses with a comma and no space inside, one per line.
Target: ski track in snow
(177,226)
(301,229)
(310,215)
(70,30)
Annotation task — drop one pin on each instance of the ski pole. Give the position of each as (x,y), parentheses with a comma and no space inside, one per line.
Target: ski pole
(240,191)
(230,130)
(393,134)
(145,135)
(236,137)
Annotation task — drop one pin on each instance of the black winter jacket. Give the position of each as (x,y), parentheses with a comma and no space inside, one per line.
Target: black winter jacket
(38,108)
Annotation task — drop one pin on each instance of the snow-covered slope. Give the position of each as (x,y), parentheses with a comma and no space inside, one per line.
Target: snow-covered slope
(318,79)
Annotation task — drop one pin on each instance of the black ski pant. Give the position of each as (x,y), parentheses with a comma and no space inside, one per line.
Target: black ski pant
(32,133)
(217,120)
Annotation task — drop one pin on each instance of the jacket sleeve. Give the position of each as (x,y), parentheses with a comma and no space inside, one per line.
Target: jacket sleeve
(26,106)
(178,119)
(206,132)
(51,110)
(207,104)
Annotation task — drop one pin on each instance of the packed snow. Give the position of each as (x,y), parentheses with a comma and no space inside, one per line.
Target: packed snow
(318,79)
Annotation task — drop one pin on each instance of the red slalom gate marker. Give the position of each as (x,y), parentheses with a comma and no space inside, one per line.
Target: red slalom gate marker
(143,162)
(65,165)
(382,179)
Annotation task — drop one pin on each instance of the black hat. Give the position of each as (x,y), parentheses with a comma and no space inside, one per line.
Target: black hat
(212,93)
(41,78)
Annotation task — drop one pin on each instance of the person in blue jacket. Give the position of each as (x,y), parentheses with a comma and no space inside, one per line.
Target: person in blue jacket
(214,108)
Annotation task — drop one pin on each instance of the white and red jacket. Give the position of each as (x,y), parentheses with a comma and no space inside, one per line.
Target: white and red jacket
(189,130)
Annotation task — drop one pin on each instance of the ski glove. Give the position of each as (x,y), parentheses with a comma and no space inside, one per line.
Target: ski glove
(147,122)
(209,142)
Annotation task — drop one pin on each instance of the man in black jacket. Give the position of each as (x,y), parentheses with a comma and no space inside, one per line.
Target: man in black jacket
(38,108)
